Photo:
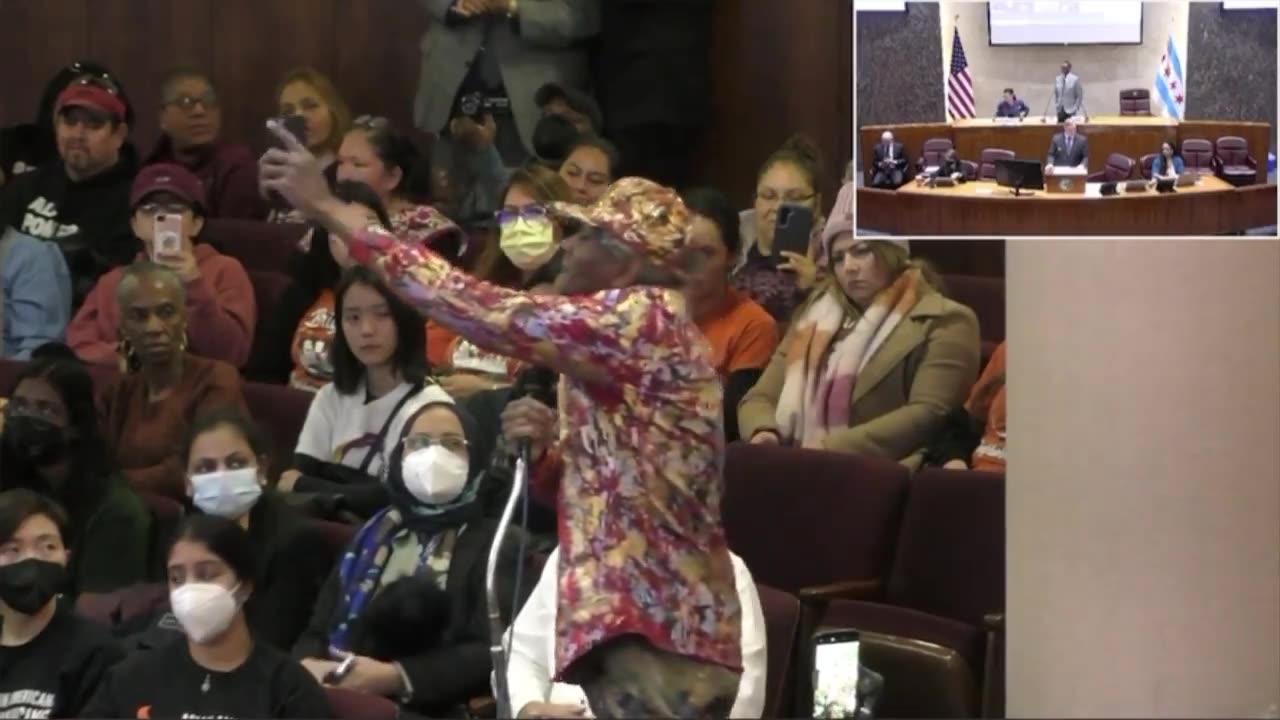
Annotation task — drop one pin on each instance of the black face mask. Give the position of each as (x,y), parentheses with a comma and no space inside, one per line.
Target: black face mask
(552,137)
(37,440)
(28,585)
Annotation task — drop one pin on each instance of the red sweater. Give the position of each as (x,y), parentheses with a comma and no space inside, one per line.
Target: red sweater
(221,313)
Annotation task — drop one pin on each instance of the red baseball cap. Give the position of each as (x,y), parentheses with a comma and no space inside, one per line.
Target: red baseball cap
(170,178)
(92,97)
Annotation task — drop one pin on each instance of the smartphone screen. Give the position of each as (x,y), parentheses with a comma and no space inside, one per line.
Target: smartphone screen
(793,230)
(835,674)
(297,127)
(167,236)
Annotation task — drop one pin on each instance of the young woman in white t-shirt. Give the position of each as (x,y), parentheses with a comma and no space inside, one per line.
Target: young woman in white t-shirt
(379,379)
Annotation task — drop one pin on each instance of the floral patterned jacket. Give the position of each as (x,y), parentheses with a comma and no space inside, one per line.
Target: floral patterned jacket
(643,549)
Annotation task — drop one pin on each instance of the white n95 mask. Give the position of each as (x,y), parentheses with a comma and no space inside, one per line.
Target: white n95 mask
(226,493)
(204,610)
(434,475)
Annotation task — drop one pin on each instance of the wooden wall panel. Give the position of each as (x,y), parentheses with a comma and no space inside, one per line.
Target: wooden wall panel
(376,57)
(37,39)
(162,35)
(779,68)
(257,41)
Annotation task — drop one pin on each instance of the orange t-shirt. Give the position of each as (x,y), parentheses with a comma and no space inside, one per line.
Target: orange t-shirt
(446,351)
(743,335)
(988,400)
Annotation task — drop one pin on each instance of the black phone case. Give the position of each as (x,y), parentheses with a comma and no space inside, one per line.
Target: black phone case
(793,230)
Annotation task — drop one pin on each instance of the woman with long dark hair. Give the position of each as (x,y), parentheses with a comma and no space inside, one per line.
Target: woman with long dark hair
(379,378)
(221,670)
(51,444)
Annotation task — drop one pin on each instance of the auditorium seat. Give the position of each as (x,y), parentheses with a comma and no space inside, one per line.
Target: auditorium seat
(1197,156)
(987,170)
(118,606)
(985,296)
(1145,163)
(1231,161)
(932,152)
(1135,101)
(1119,167)
(806,519)
(353,705)
(781,625)
(280,411)
(948,580)
(166,516)
(257,245)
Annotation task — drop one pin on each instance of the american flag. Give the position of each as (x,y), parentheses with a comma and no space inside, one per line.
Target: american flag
(959,84)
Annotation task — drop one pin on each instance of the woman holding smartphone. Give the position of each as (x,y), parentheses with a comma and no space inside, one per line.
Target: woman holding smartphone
(779,278)
(168,213)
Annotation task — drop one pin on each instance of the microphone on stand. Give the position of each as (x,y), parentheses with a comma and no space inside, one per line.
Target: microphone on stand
(540,384)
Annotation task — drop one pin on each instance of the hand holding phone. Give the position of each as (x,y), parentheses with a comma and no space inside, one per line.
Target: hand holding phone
(793,230)
(169,249)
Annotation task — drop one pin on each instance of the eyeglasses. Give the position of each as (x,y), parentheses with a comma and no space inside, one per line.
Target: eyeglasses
(452,443)
(154,209)
(528,212)
(188,103)
(771,196)
(20,406)
(371,122)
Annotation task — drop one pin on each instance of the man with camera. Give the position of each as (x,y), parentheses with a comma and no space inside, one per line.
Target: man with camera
(483,62)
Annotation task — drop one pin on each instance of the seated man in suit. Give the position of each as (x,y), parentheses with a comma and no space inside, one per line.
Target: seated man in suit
(1068,149)
(1011,106)
(890,162)
(950,167)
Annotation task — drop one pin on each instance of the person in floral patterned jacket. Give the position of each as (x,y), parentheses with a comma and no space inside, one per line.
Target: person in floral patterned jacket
(648,619)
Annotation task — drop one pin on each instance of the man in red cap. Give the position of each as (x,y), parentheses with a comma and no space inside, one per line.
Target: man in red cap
(81,203)
(221,311)
(648,619)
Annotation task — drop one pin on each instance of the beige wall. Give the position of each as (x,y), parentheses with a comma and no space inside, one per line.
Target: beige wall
(1105,70)
(1144,478)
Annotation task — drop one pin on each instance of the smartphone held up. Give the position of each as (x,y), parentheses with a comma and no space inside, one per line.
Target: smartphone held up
(792,231)
(166,238)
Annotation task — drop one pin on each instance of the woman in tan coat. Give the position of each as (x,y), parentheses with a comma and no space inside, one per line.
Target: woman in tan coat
(873,362)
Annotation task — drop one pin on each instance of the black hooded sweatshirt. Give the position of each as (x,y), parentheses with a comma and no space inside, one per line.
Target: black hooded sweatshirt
(89,220)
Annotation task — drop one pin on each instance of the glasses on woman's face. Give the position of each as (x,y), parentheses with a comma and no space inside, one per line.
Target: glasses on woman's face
(156,209)
(19,406)
(528,212)
(187,103)
(420,441)
(769,195)
(371,122)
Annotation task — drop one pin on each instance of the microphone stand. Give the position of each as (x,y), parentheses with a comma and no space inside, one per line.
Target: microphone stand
(497,629)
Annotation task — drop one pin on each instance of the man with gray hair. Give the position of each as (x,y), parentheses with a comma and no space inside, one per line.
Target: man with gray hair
(1068,148)
(648,619)
(889,163)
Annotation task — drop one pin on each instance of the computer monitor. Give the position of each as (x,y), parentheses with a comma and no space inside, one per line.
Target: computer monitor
(1019,175)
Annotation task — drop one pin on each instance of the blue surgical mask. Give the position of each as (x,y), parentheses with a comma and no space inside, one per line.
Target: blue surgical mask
(227,493)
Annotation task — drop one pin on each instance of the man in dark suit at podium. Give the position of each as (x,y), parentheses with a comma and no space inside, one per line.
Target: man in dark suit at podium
(890,163)
(1068,148)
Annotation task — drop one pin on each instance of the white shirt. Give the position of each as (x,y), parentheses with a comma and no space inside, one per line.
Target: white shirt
(533,648)
(341,428)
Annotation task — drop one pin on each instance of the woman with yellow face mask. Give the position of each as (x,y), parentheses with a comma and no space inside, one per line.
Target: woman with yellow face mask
(526,256)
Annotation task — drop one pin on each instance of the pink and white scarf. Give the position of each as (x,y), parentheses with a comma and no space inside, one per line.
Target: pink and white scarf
(817,389)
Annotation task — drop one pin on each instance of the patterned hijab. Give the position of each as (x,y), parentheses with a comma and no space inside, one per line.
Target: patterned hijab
(361,567)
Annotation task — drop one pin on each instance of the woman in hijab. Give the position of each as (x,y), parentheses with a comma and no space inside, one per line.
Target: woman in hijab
(403,616)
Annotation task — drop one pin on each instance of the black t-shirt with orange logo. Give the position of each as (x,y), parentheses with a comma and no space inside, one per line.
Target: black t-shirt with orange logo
(54,674)
(167,683)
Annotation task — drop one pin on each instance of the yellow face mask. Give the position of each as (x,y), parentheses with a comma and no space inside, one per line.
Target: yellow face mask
(528,244)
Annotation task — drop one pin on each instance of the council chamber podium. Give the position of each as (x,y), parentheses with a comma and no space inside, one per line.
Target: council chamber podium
(1212,206)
